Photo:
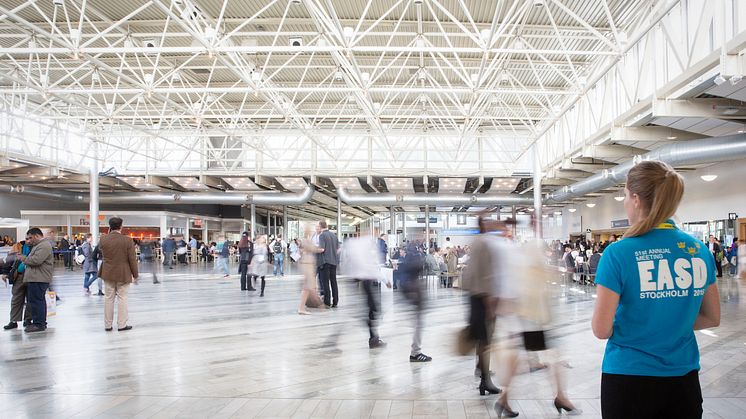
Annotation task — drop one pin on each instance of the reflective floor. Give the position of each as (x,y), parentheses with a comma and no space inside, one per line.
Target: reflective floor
(200,347)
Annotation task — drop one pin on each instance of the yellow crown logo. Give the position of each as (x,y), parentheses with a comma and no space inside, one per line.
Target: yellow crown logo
(692,251)
(681,245)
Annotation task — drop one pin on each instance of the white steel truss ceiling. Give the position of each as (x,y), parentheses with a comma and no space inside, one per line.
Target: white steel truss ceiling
(337,88)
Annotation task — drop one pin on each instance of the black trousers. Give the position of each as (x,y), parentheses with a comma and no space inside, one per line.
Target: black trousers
(328,277)
(35,293)
(642,397)
(373,295)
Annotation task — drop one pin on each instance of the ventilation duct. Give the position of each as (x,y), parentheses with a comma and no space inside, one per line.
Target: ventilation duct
(417,199)
(224,198)
(707,150)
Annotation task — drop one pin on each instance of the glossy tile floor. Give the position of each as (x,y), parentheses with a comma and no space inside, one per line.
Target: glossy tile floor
(202,348)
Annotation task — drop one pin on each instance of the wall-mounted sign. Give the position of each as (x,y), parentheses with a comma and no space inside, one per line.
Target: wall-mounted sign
(732,216)
(619,223)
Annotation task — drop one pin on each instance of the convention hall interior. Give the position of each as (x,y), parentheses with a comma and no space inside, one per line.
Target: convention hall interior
(284,208)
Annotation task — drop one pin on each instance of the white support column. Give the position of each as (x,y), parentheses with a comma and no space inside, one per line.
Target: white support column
(404,226)
(339,219)
(204,231)
(537,193)
(69,226)
(187,236)
(93,205)
(164,226)
(427,227)
(269,223)
(285,222)
(253,221)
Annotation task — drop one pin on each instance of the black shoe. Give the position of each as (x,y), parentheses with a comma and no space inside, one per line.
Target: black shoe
(251,289)
(156,282)
(334,306)
(504,411)
(244,289)
(124,328)
(100,293)
(420,357)
(11,325)
(376,343)
(262,294)
(35,328)
(26,323)
(109,329)
(574,411)
(486,386)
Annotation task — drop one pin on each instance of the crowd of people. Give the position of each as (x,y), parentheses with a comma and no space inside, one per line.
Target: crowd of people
(655,271)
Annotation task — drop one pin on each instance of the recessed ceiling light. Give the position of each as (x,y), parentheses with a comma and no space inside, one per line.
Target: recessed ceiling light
(590,204)
(709,178)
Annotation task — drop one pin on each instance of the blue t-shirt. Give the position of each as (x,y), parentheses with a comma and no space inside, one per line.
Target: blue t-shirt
(661,278)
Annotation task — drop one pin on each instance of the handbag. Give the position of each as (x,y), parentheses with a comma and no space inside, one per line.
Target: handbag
(534,340)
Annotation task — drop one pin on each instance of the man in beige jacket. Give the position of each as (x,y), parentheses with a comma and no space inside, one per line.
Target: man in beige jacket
(118,271)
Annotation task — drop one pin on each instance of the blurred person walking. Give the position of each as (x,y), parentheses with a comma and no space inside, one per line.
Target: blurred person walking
(224,253)
(309,295)
(39,269)
(118,270)
(410,268)
(742,259)
(90,265)
(480,278)
(193,249)
(717,252)
(651,368)
(361,263)
(245,253)
(147,259)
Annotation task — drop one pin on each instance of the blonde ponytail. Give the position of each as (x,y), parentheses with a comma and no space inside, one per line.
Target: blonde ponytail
(659,188)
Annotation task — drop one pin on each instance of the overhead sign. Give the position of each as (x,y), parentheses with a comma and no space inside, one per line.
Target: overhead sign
(732,216)
(619,223)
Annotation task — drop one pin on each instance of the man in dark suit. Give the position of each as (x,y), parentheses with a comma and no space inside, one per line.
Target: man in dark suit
(328,260)
(118,271)
(67,256)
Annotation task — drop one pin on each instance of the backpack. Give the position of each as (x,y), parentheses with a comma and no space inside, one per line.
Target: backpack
(277,247)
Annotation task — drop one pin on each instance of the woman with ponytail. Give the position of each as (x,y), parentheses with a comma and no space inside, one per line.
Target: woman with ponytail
(656,286)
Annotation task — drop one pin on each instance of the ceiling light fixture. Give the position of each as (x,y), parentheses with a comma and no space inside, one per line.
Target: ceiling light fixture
(572,209)
(590,204)
(619,198)
(709,178)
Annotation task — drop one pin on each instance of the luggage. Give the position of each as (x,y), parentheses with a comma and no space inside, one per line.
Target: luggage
(51,298)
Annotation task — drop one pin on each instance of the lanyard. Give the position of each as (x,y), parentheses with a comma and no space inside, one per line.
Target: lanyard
(666,226)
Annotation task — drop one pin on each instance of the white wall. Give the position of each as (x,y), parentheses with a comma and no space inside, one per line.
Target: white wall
(702,200)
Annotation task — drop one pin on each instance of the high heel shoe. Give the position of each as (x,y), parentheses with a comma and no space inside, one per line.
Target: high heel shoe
(571,411)
(487,387)
(504,411)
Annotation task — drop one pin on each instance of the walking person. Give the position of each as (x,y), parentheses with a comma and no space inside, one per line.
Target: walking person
(245,253)
(328,259)
(361,255)
(411,266)
(119,270)
(480,278)
(147,258)
(224,253)
(259,261)
(90,265)
(651,368)
(20,310)
(278,247)
(39,269)
(717,252)
(309,294)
